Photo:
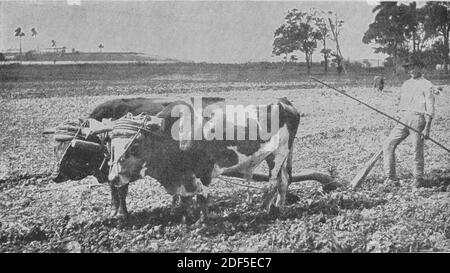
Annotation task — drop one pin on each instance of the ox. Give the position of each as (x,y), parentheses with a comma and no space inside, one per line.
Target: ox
(76,164)
(160,148)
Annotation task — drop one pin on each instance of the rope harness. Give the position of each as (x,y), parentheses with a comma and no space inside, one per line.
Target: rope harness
(130,126)
(124,128)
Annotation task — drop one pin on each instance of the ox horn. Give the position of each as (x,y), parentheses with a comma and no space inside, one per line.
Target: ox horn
(96,127)
(155,120)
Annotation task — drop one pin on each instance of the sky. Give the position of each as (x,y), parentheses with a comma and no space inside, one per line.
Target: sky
(200,31)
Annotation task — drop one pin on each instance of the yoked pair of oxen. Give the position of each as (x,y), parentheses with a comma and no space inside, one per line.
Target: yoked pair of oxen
(141,138)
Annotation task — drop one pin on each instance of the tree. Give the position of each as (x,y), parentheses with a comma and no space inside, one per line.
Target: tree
(18,33)
(393,27)
(320,20)
(34,34)
(54,45)
(404,31)
(297,33)
(335,27)
(283,46)
(437,25)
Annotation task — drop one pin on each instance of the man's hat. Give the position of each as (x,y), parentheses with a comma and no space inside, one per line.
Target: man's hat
(414,63)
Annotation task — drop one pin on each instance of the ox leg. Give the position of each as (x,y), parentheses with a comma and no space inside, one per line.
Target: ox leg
(122,194)
(203,202)
(269,196)
(279,161)
(270,160)
(203,199)
(114,201)
(177,205)
(283,184)
(187,204)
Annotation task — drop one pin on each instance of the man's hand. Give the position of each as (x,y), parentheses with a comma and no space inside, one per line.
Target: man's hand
(436,90)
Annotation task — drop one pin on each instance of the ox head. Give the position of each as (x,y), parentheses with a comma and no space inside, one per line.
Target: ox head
(77,153)
(129,147)
(179,121)
(184,122)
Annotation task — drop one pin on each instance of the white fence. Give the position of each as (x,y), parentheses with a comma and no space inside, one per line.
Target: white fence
(441,67)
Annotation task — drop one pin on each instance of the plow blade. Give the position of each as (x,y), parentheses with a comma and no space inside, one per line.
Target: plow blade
(307,174)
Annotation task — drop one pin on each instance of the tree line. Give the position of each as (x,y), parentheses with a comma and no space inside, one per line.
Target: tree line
(402,31)
(18,32)
(405,31)
(304,31)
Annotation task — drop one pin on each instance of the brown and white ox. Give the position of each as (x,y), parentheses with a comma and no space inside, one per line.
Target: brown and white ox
(184,142)
(76,164)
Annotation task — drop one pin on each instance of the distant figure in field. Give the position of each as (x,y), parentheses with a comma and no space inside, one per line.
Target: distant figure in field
(378,83)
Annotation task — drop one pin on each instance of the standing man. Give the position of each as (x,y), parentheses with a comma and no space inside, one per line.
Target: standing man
(416,109)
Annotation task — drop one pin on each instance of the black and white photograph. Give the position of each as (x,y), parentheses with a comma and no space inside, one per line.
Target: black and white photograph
(224,127)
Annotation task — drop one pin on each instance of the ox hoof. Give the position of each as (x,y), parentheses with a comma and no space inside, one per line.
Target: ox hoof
(118,215)
(292,198)
(122,215)
(203,217)
(113,212)
(274,211)
(183,220)
(200,222)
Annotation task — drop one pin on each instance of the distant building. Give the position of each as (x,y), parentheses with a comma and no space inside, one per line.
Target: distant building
(63,54)
(53,50)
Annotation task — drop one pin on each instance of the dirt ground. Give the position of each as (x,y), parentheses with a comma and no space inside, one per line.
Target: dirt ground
(335,134)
